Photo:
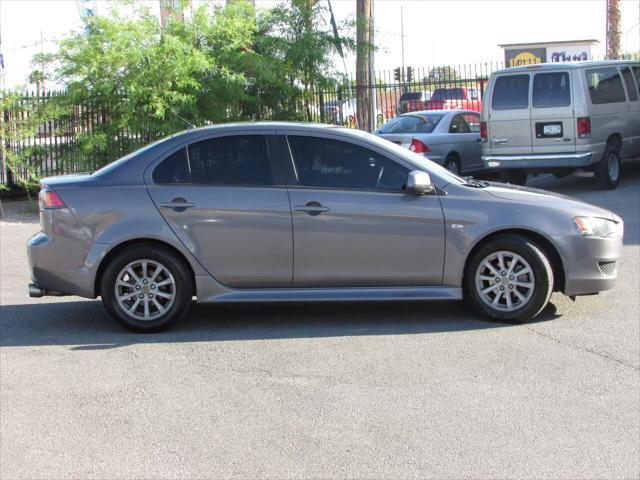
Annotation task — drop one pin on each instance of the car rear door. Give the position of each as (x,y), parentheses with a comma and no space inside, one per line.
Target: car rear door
(553,126)
(354,224)
(473,143)
(224,197)
(509,115)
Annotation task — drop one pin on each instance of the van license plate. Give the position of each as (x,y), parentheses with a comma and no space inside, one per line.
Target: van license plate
(548,129)
(552,129)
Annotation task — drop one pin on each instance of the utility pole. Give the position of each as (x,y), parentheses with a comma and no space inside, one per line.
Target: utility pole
(364,54)
(613,29)
(402,40)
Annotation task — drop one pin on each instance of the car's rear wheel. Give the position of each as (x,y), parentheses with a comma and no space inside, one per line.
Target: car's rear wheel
(146,288)
(452,163)
(508,279)
(608,169)
(515,177)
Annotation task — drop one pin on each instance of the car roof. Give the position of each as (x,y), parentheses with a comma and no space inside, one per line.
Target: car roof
(438,112)
(556,65)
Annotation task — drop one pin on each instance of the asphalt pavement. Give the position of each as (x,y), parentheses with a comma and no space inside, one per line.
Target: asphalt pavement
(393,390)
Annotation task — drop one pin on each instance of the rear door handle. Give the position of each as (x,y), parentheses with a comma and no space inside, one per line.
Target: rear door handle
(178,204)
(500,141)
(311,208)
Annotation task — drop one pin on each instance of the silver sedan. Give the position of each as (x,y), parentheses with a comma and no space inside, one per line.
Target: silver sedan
(298,212)
(450,138)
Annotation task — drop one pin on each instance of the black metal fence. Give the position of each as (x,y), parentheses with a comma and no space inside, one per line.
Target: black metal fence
(56,146)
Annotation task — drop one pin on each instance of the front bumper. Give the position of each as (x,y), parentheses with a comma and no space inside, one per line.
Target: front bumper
(539,162)
(590,263)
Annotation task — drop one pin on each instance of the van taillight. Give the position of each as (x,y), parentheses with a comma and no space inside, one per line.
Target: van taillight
(50,199)
(483,131)
(584,127)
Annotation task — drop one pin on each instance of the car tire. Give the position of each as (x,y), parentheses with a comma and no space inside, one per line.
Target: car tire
(528,292)
(453,164)
(515,177)
(154,277)
(609,168)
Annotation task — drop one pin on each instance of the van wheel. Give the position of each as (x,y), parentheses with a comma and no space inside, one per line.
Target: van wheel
(508,279)
(515,177)
(146,288)
(608,169)
(452,163)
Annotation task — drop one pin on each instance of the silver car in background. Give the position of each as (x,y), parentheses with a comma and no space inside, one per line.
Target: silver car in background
(450,138)
(300,212)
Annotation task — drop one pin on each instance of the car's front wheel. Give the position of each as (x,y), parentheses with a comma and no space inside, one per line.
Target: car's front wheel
(508,279)
(146,288)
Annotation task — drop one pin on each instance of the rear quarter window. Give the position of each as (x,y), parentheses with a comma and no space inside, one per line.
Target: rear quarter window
(511,92)
(630,84)
(605,85)
(551,90)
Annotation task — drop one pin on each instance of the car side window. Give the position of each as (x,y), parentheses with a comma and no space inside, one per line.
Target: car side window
(473,121)
(232,160)
(551,90)
(327,163)
(605,85)
(458,125)
(511,92)
(636,72)
(630,84)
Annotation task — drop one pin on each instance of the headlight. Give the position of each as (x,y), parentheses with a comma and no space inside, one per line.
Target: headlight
(598,227)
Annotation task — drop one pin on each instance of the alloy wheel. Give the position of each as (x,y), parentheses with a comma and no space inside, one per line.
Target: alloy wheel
(504,281)
(145,289)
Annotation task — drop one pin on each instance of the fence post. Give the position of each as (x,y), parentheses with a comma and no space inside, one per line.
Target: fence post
(5,166)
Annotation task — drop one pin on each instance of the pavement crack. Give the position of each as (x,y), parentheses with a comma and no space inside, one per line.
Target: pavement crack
(583,349)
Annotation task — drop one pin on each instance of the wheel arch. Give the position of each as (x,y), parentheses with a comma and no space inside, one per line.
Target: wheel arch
(114,251)
(615,139)
(540,240)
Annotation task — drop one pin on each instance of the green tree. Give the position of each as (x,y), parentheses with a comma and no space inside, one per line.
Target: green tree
(442,74)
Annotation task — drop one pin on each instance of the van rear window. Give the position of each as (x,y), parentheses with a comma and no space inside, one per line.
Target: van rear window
(511,92)
(605,85)
(551,90)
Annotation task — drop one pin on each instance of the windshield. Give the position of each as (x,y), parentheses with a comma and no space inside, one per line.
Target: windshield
(413,123)
(111,166)
(448,94)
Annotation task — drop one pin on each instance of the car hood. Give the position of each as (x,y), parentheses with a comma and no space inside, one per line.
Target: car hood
(537,196)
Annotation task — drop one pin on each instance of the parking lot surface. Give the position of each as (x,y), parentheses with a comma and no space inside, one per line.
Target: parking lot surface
(396,390)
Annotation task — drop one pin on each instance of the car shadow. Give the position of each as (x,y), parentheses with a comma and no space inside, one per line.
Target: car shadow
(84,325)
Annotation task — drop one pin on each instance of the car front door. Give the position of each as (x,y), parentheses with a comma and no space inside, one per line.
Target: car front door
(225,199)
(353,223)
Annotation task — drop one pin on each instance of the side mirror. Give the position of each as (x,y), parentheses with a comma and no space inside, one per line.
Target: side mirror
(419,182)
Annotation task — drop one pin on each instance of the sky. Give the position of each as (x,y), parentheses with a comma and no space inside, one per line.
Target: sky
(435,31)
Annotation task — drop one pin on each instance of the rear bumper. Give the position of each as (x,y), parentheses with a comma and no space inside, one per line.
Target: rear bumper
(59,269)
(540,161)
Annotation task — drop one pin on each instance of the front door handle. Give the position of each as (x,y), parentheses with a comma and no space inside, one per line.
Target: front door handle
(311,208)
(178,204)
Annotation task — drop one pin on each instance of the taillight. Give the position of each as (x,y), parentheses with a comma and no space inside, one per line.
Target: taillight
(483,132)
(584,127)
(50,199)
(418,147)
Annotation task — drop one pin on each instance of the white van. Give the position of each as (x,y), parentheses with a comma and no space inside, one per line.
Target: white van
(560,118)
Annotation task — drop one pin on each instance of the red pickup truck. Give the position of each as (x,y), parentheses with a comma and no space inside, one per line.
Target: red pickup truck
(449,99)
